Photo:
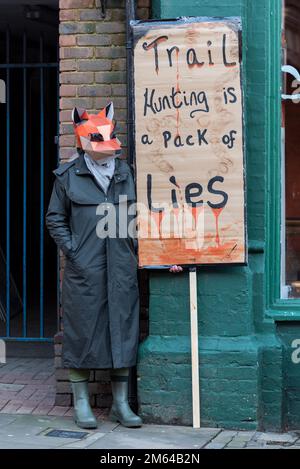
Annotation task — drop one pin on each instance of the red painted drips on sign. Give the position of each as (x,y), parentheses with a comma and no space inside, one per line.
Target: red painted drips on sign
(195,213)
(158,216)
(217,212)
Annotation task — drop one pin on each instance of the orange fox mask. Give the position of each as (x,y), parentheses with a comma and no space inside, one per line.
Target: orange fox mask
(95,133)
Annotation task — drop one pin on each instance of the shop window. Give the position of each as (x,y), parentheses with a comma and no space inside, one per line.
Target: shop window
(290,236)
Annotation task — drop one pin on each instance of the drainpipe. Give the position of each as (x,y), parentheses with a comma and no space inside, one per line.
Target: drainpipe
(130,16)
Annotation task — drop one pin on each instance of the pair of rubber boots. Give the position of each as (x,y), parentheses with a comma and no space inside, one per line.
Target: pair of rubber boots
(120,410)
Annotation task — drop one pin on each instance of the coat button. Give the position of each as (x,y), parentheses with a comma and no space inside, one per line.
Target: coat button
(118,178)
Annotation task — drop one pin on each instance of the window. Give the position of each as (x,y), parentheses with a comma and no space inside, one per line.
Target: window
(290,234)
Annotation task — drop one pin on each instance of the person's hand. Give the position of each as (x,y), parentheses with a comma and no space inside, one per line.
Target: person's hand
(175,269)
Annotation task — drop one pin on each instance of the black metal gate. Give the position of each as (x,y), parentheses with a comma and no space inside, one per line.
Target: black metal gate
(29,151)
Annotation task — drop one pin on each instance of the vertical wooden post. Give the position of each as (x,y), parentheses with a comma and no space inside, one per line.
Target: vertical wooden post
(194,347)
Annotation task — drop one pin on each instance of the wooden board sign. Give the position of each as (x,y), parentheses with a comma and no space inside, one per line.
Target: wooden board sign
(189,142)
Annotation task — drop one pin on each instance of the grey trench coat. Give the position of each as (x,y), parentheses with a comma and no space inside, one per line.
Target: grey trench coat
(100,297)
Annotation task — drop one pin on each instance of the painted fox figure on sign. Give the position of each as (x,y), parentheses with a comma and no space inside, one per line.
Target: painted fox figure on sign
(95,133)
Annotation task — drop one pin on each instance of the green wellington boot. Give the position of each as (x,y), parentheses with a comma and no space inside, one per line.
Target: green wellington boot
(120,410)
(84,416)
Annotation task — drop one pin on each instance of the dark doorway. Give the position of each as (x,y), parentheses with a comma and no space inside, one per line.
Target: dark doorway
(29,126)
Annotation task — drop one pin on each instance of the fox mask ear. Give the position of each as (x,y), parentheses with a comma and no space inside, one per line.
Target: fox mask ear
(78,114)
(108,111)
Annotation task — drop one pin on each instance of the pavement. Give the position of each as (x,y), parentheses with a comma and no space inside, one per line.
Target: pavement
(29,418)
(27,385)
(29,431)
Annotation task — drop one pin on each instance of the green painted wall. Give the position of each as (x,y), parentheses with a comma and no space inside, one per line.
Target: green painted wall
(241,354)
(289,333)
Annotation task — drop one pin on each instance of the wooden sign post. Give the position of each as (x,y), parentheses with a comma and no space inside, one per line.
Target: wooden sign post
(194,347)
(189,142)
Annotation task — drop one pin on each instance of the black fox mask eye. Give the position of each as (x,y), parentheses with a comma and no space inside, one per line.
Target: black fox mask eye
(96,137)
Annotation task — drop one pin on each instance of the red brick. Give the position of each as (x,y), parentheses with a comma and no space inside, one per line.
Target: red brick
(76,52)
(67,65)
(38,396)
(93,14)
(76,27)
(77,78)
(66,141)
(112,27)
(100,103)
(110,77)
(76,4)
(66,152)
(58,338)
(94,388)
(69,103)
(67,40)
(64,116)
(94,90)
(10,408)
(117,14)
(120,102)
(3,403)
(9,378)
(48,401)
(8,395)
(68,15)
(26,409)
(62,374)
(63,387)
(110,52)
(27,392)
(43,375)
(68,90)
(94,65)
(119,90)
(119,39)
(57,410)
(63,400)
(42,410)
(51,380)
(119,64)
(94,40)
(29,381)
(143,3)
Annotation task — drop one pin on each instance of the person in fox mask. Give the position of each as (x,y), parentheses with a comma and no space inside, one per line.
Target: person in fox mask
(100,297)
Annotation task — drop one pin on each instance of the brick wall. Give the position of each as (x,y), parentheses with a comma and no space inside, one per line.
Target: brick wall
(92,72)
(92,62)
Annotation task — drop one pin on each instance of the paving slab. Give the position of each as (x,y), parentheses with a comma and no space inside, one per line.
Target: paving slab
(157,436)
(11,387)
(222,438)
(277,437)
(36,442)
(6,419)
(240,440)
